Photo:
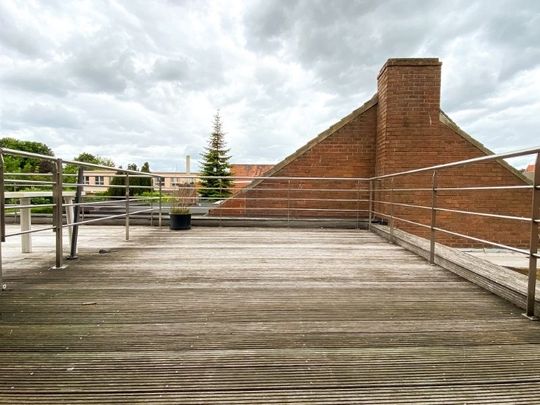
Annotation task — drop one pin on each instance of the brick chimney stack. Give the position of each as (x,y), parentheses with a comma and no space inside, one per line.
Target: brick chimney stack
(408,114)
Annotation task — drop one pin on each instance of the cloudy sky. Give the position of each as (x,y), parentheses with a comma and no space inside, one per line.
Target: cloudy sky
(141,80)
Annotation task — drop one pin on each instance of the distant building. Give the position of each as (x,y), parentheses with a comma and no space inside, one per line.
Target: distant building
(99,180)
(248,171)
(529,171)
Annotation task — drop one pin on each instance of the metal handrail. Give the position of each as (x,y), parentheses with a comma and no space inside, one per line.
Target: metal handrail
(385,195)
(481,159)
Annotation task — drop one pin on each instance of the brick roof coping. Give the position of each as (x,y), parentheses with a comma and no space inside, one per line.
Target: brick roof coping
(409,62)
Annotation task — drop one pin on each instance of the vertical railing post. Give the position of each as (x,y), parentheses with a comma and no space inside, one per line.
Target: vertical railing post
(533,242)
(160,179)
(220,197)
(76,213)
(392,210)
(357,204)
(127,205)
(288,202)
(57,213)
(433,217)
(370,207)
(2,217)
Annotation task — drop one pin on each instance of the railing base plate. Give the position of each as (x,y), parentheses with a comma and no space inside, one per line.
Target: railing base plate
(58,268)
(530,318)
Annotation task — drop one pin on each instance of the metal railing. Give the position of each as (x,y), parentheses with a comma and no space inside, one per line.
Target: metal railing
(57,188)
(370,199)
(433,208)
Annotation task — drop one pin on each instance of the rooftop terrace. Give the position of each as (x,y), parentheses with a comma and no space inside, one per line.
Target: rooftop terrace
(250,315)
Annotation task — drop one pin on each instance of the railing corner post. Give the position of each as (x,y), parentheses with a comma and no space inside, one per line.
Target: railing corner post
(533,243)
(433,217)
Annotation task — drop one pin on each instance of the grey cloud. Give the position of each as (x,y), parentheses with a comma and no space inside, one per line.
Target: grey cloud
(17,37)
(204,69)
(54,116)
(38,79)
(133,72)
(171,69)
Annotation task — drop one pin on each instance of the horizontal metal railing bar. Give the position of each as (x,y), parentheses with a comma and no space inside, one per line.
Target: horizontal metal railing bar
(94,220)
(110,201)
(402,189)
(107,217)
(14,152)
(116,169)
(402,219)
(291,199)
(17,181)
(22,188)
(349,190)
(109,175)
(28,174)
(403,204)
(132,186)
(303,178)
(112,197)
(30,231)
(269,198)
(487,242)
(480,188)
(286,208)
(107,185)
(481,159)
(484,214)
(28,206)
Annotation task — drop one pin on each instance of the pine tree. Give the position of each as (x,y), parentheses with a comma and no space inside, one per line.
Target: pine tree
(216,163)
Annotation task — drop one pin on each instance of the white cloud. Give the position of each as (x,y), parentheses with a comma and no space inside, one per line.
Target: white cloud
(138,80)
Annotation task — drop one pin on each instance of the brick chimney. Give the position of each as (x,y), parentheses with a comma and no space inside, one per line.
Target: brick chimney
(407,114)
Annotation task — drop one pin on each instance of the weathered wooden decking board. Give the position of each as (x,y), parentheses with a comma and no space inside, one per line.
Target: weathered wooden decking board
(232,315)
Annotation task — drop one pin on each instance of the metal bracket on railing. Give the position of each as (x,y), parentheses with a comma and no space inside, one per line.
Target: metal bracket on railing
(533,243)
(57,214)
(433,217)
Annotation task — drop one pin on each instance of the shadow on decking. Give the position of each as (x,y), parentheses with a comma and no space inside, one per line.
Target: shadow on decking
(256,315)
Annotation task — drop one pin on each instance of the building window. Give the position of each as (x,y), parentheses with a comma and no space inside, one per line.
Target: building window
(86,179)
(100,181)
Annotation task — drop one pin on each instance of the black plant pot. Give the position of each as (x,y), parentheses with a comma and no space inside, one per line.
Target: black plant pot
(179,221)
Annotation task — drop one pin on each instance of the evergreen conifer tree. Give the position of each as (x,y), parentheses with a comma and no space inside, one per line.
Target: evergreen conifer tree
(216,163)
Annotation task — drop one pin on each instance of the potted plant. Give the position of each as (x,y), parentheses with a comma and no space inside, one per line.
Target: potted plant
(182,198)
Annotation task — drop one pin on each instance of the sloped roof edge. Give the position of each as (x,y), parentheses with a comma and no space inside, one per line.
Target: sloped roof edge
(446,120)
(323,135)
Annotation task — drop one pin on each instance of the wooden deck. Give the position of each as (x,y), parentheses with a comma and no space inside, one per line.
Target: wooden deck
(232,315)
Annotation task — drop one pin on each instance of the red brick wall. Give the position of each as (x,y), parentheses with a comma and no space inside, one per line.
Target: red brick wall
(410,135)
(348,152)
(402,131)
